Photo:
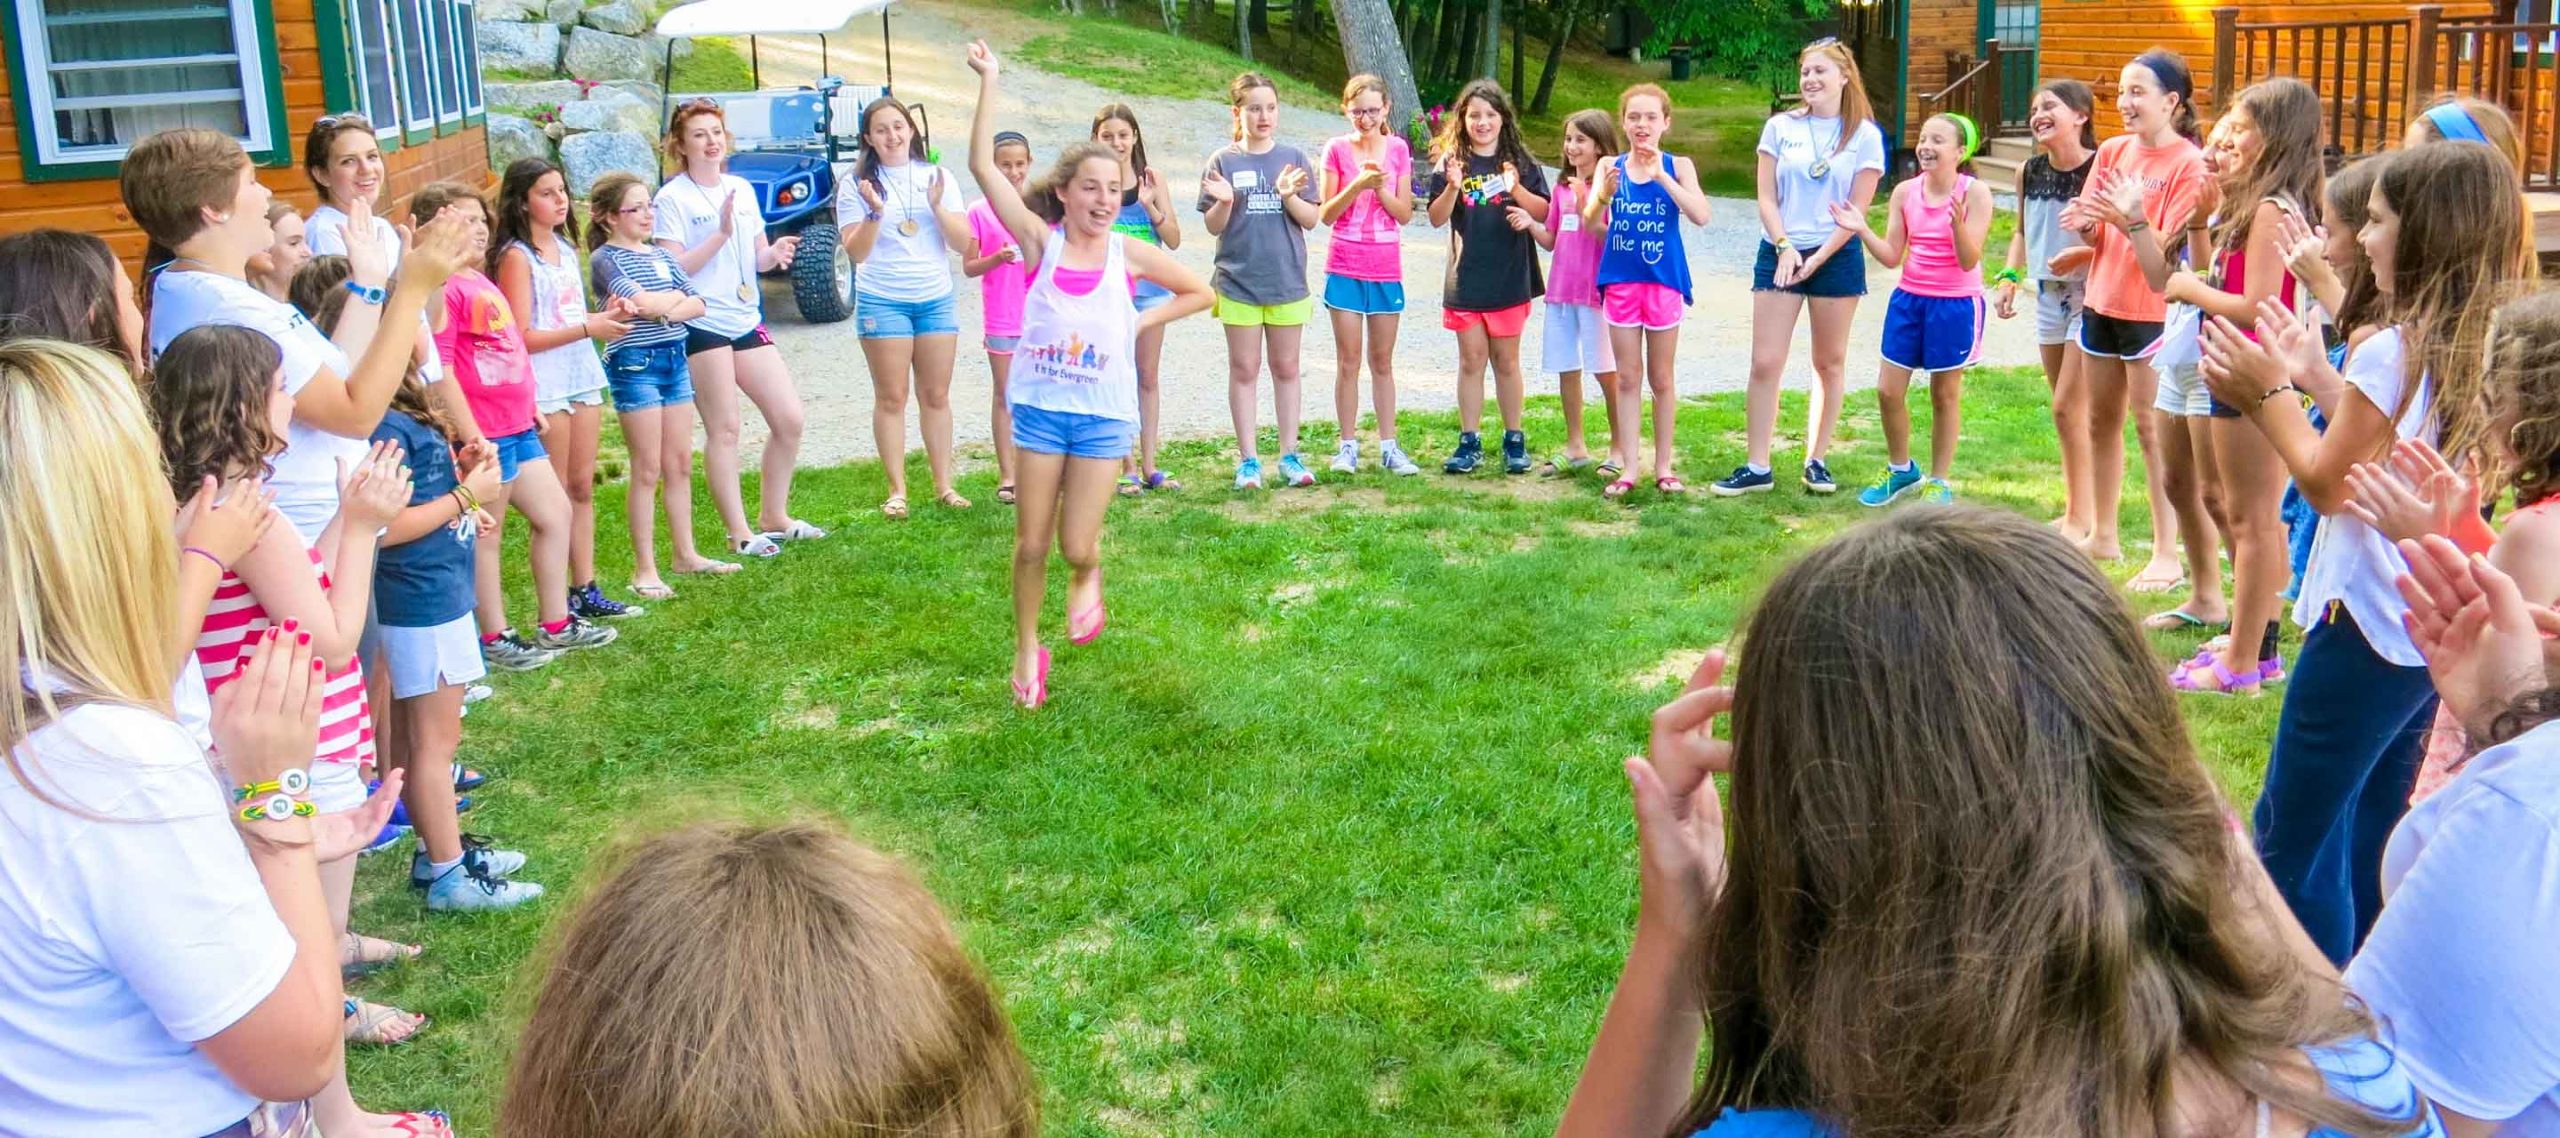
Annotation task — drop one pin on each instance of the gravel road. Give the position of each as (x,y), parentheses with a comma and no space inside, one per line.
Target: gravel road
(1054,110)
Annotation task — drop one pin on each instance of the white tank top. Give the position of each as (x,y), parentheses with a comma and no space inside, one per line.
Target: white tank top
(560,301)
(1077,353)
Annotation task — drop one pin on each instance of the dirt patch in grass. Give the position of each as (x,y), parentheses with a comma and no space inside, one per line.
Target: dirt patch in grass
(1675,668)
(1625,526)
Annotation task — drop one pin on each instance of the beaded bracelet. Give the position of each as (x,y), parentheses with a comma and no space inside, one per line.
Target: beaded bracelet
(277,809)
(293,781)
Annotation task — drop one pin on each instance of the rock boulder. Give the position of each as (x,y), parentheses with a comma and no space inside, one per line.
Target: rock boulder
(587,157)
(533,48)
(513,137)
(620,17)
(610,110)
(604,56)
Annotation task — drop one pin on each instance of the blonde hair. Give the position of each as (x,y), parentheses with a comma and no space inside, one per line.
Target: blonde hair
(2491,119)
(87,562)
(1364,82)
(740,979)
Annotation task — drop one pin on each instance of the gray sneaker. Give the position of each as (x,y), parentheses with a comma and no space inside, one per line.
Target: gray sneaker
(513,653)
(1395,460)
(580,633)
(1346,458)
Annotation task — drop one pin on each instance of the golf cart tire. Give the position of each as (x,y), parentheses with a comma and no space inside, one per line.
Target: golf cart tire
(821,297)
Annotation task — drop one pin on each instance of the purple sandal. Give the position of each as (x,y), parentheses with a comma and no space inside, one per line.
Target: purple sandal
(1157,481)
(2214,679)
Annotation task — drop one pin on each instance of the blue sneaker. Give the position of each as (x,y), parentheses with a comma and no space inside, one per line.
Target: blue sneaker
(1937,490)
(1744,480)
(1249,474)
(1467,457)
(1817,477)
(389,837)
(1294,472)
(1894,484)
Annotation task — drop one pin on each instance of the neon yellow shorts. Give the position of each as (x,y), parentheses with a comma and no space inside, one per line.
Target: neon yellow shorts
(1237,314)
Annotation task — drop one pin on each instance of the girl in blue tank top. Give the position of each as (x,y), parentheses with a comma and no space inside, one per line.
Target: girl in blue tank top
(1146,214)
(1644,269)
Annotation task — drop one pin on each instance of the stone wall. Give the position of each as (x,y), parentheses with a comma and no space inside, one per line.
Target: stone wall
(574,83)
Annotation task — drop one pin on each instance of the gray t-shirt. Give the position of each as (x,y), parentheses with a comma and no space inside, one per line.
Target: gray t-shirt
(1262,256)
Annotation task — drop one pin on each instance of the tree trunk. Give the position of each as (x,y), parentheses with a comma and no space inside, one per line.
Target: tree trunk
(1489,53)
(1171,24)
(1244,30)
(1555,54)
(1446,34)
(1462,55)
(1370,43)
(1519,54)
(1262,17)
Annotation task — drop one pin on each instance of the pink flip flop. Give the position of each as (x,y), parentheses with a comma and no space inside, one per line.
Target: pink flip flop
(1101,620)
(1031,695)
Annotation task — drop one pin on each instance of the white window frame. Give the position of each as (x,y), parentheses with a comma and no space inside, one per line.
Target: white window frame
(466,25)
(34,62)
(445,72)
(414,118)
(386,120)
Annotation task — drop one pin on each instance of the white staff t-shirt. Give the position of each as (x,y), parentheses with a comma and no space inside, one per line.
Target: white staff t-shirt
(689,214)
(326,232)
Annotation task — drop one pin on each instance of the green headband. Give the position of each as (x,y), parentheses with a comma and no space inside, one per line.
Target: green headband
(1968,132)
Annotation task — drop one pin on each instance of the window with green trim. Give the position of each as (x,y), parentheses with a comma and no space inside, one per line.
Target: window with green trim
(417,68)
(96,76)
(370,38)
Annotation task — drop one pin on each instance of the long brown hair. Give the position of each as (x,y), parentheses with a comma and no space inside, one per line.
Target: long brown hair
(1137,138)
(2076,95)
(1996,895)
(1594,124)
(513,221)
(2349,193)
(776,980)
(1855,108)
(2524,375)
(2460,254)
(209,399)
(1040,194)
(1453,140)
(56,284)
(2285,116)
(867,168)
(318,292)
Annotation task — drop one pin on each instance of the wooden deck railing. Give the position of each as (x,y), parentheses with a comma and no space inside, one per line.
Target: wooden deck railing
(2512,65)
(2372,75)
(1976,91)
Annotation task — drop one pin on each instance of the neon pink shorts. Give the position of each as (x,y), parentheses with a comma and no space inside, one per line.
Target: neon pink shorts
(1637,305)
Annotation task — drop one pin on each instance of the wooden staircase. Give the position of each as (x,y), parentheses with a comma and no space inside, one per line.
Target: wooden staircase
(2000,160)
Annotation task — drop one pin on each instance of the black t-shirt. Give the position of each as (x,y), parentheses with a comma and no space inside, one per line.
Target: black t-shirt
(1491,266)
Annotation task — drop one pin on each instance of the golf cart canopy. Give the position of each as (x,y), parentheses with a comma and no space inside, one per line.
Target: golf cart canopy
(765,17)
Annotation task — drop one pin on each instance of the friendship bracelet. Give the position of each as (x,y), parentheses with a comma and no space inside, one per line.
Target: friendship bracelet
(217,562)
(290,781)
(2136,225)
(2272,392)
(277,809)
(2011,275)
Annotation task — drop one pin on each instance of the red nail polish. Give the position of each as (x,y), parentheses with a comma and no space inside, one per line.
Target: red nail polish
(305,638)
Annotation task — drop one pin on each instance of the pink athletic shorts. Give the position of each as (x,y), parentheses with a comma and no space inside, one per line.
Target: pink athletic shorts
(1637,305)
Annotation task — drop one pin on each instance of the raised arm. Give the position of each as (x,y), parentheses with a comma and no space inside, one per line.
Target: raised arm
(1029,231)
(1445,203)
(352,405)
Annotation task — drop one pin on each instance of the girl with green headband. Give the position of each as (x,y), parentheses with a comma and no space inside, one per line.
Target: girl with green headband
(1934,233)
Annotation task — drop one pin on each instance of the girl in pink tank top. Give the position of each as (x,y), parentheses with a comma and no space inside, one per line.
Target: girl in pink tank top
(1934,233)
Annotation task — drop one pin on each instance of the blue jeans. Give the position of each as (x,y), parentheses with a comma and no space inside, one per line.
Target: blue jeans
(642,378)
(880,318)
(2348,744)
(516,450)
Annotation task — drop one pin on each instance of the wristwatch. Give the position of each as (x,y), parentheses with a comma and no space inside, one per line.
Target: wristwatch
(367,293)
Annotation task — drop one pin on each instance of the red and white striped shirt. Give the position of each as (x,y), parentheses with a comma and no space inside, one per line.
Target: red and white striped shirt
(236,619)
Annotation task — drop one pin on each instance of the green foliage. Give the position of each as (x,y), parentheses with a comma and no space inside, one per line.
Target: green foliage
(1325,836)
(1752,40)
(717,64)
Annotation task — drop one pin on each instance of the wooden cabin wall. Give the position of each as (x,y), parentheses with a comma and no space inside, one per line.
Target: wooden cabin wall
(1937,28)
(2092,40)
(95,206)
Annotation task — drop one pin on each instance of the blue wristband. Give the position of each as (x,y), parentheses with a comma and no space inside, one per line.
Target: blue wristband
(369,295)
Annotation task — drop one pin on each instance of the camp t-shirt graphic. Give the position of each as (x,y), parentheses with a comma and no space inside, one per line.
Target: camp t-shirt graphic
(1073,361)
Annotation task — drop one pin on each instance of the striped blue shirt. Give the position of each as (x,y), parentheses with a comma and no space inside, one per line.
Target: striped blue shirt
(630,272)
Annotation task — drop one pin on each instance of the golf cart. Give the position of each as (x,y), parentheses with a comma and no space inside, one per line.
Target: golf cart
(792,144)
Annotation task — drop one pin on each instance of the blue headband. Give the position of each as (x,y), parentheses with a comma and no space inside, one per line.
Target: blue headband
(2455,123)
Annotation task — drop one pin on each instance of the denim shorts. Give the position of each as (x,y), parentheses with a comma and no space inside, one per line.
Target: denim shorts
(881,318)
(650,377)
(516,450)
(1002,345)
(1845,274)
(1043,431)
(1145,300)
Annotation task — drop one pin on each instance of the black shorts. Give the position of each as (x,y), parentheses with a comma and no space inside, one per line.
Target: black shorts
(697,341)
(2108,337)
(1845,274)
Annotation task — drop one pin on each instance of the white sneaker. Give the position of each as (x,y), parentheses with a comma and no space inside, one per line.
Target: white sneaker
(1346,458)
(1394,459)
(470,888)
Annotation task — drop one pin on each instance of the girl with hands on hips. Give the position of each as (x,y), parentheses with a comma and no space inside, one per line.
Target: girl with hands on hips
(1875,849)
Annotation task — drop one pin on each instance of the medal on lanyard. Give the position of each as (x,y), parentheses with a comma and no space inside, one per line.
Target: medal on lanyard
(908,227)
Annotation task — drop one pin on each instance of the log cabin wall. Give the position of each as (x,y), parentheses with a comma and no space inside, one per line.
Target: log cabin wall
(306,74)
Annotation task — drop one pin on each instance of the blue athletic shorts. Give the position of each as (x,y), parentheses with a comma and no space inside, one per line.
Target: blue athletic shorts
(1932,333)
(883,319)
(1368,298)
(1043,431)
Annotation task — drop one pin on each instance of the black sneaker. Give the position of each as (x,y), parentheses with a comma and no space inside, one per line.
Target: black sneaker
(1469,455)
(589,602)
(1817,477)
(1745,480)
(1515,453)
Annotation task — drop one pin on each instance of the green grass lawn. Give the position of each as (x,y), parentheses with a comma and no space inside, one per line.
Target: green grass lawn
(1325,836)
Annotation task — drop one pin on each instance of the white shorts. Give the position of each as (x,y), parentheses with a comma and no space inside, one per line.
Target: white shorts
(548,407)
(336,787)
(1577,339)
(2058,308)
(2183,392)
(424,659)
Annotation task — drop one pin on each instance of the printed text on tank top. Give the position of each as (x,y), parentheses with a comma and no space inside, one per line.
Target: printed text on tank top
(712,209)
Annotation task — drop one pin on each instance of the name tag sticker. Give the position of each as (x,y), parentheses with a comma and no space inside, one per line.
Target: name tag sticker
(1572,224)
(1245,179)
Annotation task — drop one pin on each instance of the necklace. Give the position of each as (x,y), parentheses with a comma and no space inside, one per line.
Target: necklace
(746,280)
(1821,167)
(905,190)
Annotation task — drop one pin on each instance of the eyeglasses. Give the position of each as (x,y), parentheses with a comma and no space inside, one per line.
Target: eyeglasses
(628,210)
(1367,112)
